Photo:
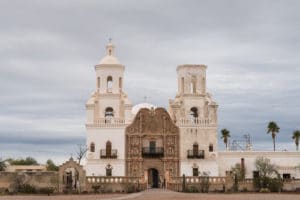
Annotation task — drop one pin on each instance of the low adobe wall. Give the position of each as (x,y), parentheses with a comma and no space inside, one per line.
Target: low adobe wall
(9,181)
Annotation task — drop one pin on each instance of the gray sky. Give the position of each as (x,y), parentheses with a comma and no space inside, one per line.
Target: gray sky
(48,50)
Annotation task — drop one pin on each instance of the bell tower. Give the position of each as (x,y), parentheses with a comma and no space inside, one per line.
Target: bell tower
(191,79)
(192,101)
(110,103)
(108,113)
(195,113)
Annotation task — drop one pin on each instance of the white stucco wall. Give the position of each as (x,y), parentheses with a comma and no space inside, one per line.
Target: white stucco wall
(287,161)
(99,136)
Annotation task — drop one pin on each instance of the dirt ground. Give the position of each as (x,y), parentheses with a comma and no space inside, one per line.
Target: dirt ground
(159,195)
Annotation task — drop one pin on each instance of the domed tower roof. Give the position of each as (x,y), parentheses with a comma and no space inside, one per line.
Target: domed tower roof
(109,58)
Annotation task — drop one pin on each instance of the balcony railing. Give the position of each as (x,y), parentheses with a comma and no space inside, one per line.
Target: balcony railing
(195,122)
(195,154)
(153,152)
(109,120)
(105,154)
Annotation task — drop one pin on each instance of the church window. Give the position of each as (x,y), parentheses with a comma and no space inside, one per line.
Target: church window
(120,83)
(194,112)
(109,52)
(108,169)
(286,176)
(211,148)
(92,147)
(195,171)
(109,112)
(152,145)
(98,82)
(108,149)
(206,109)
(109,83)
(255,174)
(195,149)
(182,85)
(193,84)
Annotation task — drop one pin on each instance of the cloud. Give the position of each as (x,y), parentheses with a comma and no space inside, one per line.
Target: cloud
(48,51)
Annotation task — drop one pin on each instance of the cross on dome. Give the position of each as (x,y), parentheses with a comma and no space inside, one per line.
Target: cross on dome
(110,58)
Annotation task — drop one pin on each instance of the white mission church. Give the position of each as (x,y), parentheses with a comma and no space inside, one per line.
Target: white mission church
(143,140)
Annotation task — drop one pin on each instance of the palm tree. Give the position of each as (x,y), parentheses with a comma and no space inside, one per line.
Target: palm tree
(273,129)
(225,135)
(296,137)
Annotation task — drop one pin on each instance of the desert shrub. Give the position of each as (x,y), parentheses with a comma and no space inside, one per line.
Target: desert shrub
(46,190)
(244,189)
(96,188)
(192,189)
(129,188)
(27,189)
(264,190)
(275,184)
(108,190)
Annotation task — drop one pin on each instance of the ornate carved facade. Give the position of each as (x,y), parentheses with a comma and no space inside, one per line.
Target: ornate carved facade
(152,142)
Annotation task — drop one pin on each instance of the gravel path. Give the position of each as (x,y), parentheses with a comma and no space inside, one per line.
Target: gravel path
(158,194)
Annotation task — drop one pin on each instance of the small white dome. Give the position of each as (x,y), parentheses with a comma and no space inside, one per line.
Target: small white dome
(109,59)
(137,107)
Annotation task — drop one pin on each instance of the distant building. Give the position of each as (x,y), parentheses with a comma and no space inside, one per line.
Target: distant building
(26,168)
(142,140)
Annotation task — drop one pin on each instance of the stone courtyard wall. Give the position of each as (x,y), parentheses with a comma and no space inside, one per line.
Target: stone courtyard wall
(9,181)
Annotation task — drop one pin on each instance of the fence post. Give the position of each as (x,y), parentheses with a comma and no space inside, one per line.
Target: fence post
(183,183)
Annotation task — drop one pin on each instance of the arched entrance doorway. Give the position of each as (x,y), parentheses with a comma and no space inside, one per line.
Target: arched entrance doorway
(71,176)
(153,178)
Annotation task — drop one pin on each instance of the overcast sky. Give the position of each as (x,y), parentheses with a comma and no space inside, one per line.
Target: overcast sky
(48,50)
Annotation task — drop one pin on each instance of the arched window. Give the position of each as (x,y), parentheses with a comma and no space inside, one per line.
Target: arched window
(206,109)
(193,84)
(98,83)
(211,148)
(108,148)
(109,112)
(182,85)
(120,83)
(108,169)
(92,147)
(195,149)
(195,171)
(109,83)
(194,112)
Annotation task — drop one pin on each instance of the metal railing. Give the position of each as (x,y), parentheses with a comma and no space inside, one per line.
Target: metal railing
(195,154)
(153,152)
(105,154)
